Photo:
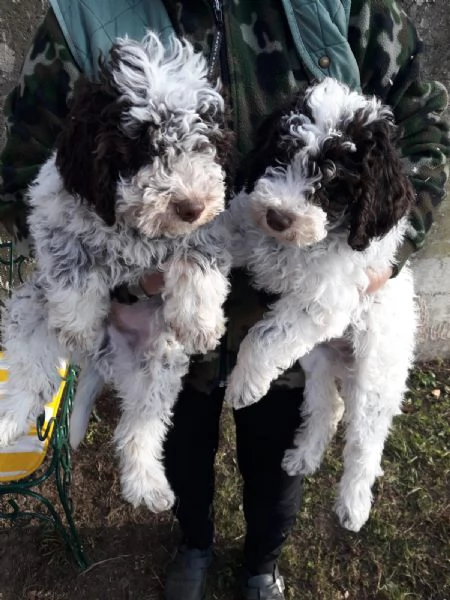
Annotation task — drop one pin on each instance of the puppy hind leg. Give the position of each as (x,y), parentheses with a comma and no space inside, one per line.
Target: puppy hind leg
(321,411)
(368,418)
(89,385)
(363,449)
(148,397)
(373,394)
(32,354)
(143,480)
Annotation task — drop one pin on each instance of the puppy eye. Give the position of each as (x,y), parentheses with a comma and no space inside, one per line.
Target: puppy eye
(319,197)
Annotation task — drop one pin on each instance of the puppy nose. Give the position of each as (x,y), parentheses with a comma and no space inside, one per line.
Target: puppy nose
(278,221)
(190,210)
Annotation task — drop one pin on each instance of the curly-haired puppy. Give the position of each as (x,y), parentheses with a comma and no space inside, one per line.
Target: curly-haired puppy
(328,202)
(133,186)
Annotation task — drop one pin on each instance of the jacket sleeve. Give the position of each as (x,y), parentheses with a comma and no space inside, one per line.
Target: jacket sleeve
(387,48)
(34,112)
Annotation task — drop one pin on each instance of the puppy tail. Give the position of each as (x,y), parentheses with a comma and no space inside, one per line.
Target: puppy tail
(90,384)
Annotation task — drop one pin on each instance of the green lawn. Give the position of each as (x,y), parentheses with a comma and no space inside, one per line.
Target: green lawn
(403,552)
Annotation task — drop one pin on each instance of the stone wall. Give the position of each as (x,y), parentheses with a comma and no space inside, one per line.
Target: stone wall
(432,264)
(18,20)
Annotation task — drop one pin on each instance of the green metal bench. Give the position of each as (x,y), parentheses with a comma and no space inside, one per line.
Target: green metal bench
(46,455)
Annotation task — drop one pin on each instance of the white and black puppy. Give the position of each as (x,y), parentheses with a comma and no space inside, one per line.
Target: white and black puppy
(133,186)
(328,201)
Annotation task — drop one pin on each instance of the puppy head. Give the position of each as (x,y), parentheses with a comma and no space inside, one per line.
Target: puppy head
(146,145)
(330,161)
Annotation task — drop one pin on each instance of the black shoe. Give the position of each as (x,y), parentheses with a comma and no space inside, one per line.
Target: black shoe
(186,574)
(269,586)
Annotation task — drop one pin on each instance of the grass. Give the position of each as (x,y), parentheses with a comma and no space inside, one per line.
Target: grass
(402,553)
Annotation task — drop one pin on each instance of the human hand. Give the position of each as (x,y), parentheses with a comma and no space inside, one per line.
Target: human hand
(152,283)
(377,279)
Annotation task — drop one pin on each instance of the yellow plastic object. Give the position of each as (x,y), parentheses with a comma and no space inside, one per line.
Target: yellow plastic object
(27,453)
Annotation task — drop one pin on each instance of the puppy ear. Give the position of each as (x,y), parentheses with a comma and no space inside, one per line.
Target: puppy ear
(381,193)
(272,145)
(86,155)
(261,156)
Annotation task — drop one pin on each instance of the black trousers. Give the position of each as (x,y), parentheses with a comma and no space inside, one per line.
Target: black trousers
(271,497)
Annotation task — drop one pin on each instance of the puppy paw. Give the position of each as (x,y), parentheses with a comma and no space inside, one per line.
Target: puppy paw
(353,512)
(153,491)
(193,298)
(197,337)
(160,499)
(200,341)
(298,462)
(242,391)
(88,341)
(11,429)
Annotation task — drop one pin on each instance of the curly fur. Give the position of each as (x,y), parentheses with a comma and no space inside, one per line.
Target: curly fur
(308,232)
(133,187)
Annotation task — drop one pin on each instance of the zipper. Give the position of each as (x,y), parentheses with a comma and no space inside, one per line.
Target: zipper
(219,49)
(219,54)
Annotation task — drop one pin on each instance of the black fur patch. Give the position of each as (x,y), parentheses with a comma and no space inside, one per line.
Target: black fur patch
(369,186)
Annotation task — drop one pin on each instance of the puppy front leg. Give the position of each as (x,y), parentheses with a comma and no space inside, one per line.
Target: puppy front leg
(194,294)
(285,334)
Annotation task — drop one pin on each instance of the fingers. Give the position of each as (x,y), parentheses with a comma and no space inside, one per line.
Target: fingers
(152,283)
(377,279)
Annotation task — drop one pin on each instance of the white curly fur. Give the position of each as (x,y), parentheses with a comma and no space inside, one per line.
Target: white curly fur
(63,309)
(323,316)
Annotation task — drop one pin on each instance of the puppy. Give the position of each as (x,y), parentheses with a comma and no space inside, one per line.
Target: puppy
(133,186)
(328,200)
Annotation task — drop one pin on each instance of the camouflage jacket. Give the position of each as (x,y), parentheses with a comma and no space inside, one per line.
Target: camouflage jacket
(261,69)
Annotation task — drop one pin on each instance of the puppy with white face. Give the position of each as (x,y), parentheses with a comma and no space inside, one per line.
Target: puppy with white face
(329,161)
(136,180)
(327,199)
